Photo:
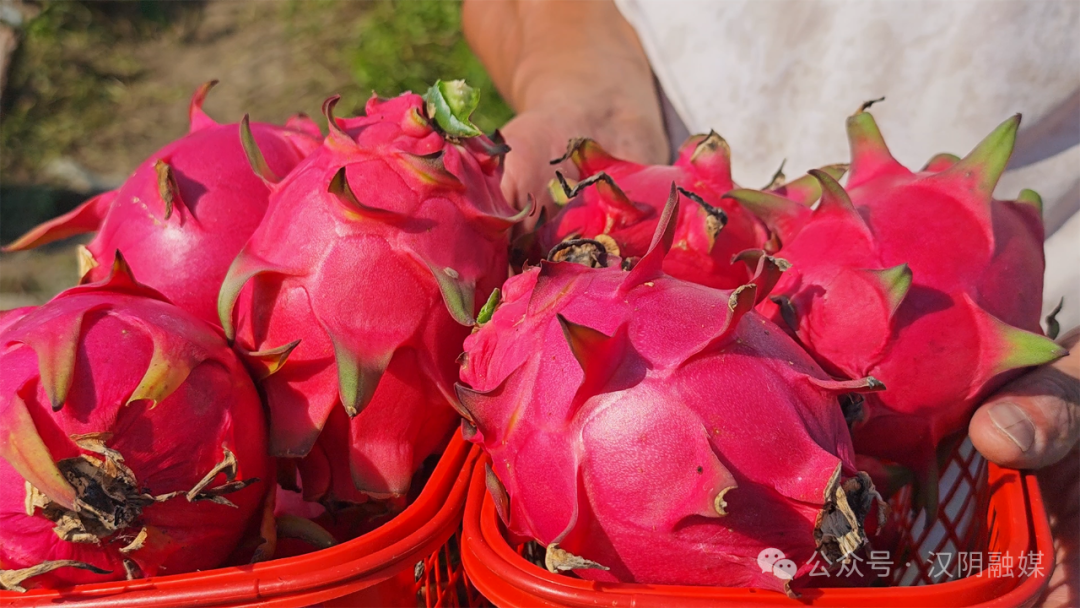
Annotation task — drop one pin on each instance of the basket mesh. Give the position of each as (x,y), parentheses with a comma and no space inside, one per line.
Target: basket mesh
(943,550)
(441,581)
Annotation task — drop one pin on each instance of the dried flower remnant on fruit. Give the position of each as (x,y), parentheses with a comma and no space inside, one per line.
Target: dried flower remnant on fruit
(88,467)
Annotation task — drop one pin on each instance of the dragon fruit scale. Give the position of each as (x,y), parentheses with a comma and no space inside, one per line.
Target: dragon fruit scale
(648,429)
(625,201)
(353,296)
(133,440)
(185,212)
(921,279)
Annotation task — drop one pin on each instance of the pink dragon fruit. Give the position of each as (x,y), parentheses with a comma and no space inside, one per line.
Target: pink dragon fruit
(647,429)
(133,439)
(622,209)
(922,280)
(364,274)
(185,212)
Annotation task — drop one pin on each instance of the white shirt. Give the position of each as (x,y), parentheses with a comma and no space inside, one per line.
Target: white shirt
(777,78)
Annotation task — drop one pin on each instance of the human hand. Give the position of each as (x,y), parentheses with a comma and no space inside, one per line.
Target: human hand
(570,69)
(1034,423)
(539,135)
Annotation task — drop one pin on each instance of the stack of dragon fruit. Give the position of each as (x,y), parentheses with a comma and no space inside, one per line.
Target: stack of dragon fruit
(276,330)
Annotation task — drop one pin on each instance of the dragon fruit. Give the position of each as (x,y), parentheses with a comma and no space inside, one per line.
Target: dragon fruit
(647,429)
(922,280)
(185,212)
(354,294)
(625,202)
(133,439)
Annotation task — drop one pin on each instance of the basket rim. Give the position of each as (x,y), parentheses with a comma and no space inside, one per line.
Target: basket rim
(507,579)
(364,561)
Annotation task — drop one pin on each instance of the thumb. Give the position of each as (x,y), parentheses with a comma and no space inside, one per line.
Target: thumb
(1033,421)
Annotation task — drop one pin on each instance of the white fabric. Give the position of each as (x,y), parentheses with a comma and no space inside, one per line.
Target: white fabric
(777,78)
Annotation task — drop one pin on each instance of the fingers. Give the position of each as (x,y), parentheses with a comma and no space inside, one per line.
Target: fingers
(1033,421)
(528,169)
(537,136)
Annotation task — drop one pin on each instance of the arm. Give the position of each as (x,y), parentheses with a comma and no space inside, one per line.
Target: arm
(569,69)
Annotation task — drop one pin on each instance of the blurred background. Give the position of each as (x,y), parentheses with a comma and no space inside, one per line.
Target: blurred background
(91,89)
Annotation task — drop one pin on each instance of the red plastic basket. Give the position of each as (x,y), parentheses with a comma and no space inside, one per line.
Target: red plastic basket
(381,568)
(985,512)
